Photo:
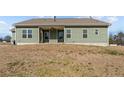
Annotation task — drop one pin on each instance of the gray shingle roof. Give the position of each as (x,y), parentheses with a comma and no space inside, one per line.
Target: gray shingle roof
(63,22)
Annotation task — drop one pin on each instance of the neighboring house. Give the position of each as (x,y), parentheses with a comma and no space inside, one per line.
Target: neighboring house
(86,31)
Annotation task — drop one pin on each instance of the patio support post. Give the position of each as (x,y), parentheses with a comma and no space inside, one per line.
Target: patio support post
(49,35)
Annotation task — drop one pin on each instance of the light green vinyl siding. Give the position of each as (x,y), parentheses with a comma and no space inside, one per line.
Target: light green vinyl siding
(13,36)
(77,35)
(34,39)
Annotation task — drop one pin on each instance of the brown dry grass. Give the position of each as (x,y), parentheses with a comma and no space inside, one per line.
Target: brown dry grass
(5,43)
(61,60)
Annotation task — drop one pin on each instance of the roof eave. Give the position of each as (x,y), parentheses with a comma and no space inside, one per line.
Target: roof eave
(16,25)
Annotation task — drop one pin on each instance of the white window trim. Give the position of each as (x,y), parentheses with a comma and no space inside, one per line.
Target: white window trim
(85,33)
(22,33)
(26,33)
(70,33)
(97,31)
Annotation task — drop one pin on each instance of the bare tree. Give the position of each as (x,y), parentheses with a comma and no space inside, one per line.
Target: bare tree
(120,37)
(1,39)
(7,38)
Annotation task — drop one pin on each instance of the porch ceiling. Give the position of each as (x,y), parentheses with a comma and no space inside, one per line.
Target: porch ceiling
(51,27)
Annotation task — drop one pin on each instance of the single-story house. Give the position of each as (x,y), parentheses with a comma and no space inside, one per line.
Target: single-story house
(87,31)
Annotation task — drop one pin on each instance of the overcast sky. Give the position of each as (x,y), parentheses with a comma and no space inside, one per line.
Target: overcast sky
(7,21)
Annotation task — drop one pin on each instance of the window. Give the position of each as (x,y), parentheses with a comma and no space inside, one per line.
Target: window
(96,32)
(29,33)
(24,34)
(85,33)
(68,35)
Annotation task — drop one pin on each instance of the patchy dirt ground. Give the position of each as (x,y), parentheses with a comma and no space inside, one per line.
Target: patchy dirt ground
(61,60)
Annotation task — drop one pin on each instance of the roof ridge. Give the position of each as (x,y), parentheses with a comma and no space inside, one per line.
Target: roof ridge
(60,18)
(63,21)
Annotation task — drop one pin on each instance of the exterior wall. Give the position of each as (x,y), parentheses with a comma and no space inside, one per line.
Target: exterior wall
(76,36)
(33,40)
(92,38)
(13,36)
(53,37)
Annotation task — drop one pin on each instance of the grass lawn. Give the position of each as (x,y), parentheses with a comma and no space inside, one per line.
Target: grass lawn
(61,60)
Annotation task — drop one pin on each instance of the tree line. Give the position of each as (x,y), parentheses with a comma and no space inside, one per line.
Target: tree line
(6,38)
(117,39)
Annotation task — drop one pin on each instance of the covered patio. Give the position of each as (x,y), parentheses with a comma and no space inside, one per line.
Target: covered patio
(51,34)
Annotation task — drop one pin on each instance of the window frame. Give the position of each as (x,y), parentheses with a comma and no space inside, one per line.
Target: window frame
(27,33)
(86,33)
(96,30)
(24,33)
(68,33)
